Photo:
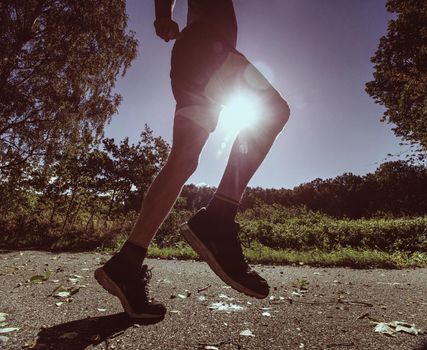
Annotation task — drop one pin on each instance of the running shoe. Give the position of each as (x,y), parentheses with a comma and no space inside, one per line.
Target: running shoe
(219,245)
(131,287)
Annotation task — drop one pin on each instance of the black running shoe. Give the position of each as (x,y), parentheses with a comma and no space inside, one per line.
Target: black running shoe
(220,247)
(131,287)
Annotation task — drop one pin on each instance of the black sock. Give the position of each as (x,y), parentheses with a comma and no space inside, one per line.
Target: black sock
(222,208)
(132,255)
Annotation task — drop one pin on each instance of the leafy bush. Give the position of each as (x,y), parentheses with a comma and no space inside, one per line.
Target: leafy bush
(297,228)
(272,226)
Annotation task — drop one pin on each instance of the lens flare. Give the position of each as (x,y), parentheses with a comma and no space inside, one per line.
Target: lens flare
(242,111)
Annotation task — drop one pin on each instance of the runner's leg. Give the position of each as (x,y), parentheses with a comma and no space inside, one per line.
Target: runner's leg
(253,143)
(188,141)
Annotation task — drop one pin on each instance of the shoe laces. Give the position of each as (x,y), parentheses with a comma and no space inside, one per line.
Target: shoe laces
(144,277)
(235,228)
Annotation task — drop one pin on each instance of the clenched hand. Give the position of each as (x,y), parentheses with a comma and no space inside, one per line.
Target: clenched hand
(166,29)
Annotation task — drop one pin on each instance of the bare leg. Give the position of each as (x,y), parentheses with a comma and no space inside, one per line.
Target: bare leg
(251,147)
(188,142)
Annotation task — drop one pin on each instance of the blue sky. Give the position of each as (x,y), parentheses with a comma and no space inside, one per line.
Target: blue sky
(316,53)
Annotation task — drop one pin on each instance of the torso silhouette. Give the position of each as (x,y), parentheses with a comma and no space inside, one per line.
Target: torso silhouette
(218,13)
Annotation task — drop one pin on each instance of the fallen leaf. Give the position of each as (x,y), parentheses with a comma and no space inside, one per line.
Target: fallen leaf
(8,329)
(298,293)
(397,326)
(64,292)
(247,333)
(406,327)
(164,280)
(220,306)
(3,316)
(3,339)
(384,328)
(41,278)
(410,330)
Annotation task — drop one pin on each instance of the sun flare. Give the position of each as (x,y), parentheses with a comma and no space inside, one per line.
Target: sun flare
(240,112)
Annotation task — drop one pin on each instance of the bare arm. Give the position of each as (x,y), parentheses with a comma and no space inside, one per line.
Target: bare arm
(166,28)
(164,8)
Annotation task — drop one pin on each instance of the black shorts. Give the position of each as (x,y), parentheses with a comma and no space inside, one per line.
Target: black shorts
(206,71)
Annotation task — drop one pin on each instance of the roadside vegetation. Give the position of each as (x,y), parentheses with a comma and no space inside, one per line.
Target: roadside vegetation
(270,234)
(64,186)
(88,200)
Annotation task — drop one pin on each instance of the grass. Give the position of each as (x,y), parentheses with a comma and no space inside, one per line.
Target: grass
(275,234)
(258,253)
(345,257)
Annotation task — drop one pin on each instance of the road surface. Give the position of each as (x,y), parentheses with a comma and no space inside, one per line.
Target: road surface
(308,308)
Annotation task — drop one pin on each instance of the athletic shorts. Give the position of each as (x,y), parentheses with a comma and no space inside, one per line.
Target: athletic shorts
(206,71)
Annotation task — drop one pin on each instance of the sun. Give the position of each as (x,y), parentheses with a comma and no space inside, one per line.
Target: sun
(241,111)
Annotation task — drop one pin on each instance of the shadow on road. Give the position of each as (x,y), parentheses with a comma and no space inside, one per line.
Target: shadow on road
(422,345)
(79,334)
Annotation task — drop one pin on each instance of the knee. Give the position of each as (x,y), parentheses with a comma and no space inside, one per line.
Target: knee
(183,164)
(279,115)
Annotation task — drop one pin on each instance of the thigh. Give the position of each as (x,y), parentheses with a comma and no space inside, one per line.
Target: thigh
(203,113)
(238,75)
(195,57)
(188,137)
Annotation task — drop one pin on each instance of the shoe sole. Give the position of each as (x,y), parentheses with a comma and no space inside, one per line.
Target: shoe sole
(111,287)
(204,253)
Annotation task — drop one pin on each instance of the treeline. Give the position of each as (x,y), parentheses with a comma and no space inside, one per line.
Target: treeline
(396,188)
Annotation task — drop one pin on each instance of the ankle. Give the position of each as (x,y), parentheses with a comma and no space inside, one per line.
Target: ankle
(131,255)
(222,208)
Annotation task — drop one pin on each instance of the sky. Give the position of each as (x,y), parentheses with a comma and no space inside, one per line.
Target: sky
(316,53)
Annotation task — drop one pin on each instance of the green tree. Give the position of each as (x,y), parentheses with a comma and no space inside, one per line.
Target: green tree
(59,61)
(400,76)
(400,189)
(127,169)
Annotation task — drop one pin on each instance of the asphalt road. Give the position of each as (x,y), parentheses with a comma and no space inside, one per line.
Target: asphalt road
(335,311)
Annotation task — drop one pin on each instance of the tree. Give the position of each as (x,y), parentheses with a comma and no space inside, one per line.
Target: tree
(400,76)
(127,170)
(59,62)
(400,189)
